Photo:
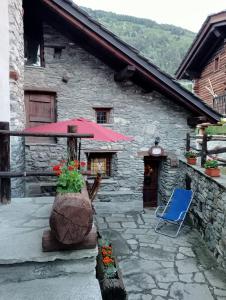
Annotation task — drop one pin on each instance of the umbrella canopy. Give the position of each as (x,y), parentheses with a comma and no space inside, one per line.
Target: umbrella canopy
(83,126)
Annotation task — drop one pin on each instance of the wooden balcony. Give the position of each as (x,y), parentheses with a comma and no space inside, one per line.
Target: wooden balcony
(219,104)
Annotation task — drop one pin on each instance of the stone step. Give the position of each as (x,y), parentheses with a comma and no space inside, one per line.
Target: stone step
(71,287)
(115,196)
(35,270)
(107,184)
(103,208)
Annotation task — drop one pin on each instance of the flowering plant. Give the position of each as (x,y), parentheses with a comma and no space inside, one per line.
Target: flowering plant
(70,180)
(108,259)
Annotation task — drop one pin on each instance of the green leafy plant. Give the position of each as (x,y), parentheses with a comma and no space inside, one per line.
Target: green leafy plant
(190,154)
(70,180)
(211,164)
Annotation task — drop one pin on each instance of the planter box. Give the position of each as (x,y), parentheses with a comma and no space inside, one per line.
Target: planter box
(111,288)
(212,172)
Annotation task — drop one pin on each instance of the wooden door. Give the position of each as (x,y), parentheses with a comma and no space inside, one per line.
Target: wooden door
(150,187)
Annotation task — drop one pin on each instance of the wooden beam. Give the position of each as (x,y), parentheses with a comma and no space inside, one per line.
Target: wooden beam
(204,150)
(217,33)
(125,73)
(5,183)
(33,173)
(45,134)
(193,121)
(188,138)
(216,151)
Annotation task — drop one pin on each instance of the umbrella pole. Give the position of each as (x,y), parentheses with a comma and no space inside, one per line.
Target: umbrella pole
(79,151)
(72,145)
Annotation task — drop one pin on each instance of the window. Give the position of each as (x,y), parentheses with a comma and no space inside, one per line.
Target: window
(103,115)
(40,109)
(216,64)
(33,36)
(100,162)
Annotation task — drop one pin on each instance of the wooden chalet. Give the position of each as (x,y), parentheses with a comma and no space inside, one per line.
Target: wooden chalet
(205,62)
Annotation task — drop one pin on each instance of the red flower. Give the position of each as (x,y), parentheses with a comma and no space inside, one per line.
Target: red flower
(56,168)
(107,260)
(82,164)
(71,168)
(106,253)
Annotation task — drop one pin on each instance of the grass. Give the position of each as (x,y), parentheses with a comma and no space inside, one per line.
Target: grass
(216,130)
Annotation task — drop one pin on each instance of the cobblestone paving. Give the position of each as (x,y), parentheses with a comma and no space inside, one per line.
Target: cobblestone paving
(156,267)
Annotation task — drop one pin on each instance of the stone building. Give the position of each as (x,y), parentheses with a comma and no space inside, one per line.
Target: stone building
(75,68)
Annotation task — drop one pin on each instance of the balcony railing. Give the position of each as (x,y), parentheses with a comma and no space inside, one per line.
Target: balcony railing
(219,104)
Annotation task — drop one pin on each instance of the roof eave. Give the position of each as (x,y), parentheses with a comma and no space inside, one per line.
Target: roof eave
(130,56)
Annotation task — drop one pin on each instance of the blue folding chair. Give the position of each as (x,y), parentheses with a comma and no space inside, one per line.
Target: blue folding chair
(175,210)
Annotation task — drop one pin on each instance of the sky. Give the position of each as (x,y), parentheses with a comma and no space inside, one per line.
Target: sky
(189,14)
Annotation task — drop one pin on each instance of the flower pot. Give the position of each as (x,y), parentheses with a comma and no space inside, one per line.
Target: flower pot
(213,172)
(191,160)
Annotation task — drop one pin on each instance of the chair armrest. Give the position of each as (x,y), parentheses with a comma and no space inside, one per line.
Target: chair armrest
(183,212)
(157,209)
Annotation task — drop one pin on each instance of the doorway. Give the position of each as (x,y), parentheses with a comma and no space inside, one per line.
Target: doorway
(150,186)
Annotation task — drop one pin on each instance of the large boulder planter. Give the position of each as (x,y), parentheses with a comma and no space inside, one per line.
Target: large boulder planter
(71,222)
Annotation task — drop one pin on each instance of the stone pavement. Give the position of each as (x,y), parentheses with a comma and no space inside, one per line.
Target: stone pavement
(156,267)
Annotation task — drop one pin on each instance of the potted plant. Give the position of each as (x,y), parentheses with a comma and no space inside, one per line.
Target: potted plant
(212,168)
(191,157)
(70,179)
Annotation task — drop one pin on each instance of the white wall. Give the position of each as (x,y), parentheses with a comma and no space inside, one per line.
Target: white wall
(4,62)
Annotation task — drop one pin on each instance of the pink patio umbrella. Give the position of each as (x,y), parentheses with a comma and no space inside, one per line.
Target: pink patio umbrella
(83,126)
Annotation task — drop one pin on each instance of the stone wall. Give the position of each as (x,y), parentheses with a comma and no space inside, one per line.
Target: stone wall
(135,113)
(208,210)
(4,62)
(17,111)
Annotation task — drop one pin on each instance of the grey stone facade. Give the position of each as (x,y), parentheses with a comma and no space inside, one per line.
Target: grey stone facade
(17,111)
(208,210)
(134,112)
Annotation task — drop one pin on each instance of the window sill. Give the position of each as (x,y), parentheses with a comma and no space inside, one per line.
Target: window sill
(34,67)
(103,177)
(40,144)
(106,124)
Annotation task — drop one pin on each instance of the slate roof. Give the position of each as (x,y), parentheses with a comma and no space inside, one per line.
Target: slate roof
(166,83)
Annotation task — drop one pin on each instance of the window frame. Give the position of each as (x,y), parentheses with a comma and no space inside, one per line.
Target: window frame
(101,155)
(107,110)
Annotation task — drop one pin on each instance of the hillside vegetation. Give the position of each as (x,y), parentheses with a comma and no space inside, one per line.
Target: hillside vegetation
(165,45)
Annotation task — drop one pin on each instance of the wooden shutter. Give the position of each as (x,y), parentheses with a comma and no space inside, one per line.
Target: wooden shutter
(40,109)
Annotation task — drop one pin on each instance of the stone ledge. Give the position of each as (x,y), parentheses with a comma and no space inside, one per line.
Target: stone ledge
(221,181)
(115,193)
